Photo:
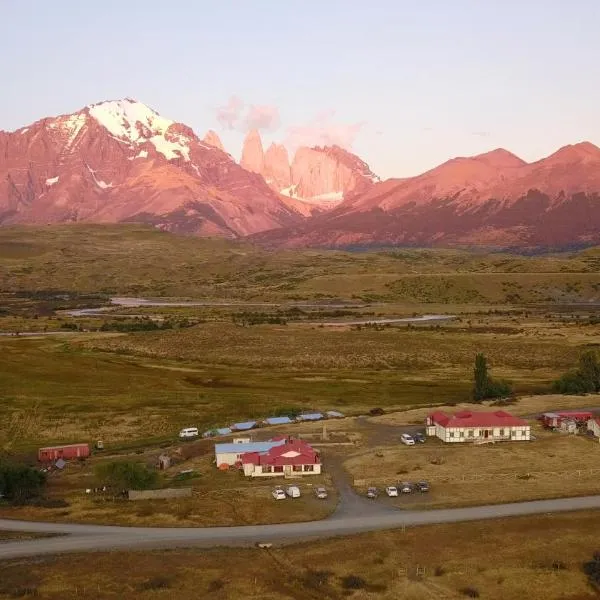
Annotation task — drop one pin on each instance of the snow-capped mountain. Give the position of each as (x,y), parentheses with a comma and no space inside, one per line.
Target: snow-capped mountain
(122,161)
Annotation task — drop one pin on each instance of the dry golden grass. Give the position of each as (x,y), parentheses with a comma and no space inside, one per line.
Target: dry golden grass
(554,465)
(525,405)
(508,559)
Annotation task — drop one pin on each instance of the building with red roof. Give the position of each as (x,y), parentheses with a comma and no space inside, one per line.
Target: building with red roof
(593,426)
(471,426)
(293,457)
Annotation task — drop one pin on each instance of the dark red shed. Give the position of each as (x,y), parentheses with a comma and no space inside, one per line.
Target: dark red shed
(70,451)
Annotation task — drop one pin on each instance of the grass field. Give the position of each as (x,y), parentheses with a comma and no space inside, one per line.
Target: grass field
(553,465)
(539,558)
(140,261)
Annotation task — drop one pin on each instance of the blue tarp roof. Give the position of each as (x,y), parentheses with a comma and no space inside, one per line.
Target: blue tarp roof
(243,426)
(248,447)
(277,420)
(334,413)
(224,430)
(310,417)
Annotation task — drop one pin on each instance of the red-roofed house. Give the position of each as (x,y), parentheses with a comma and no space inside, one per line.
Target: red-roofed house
(294,457)
(470,426)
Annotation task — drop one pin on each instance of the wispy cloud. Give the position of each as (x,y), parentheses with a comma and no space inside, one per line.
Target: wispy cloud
(322,130)
(236,114)
(481,133)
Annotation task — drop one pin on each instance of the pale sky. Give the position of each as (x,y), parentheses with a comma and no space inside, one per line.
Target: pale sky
(405,84)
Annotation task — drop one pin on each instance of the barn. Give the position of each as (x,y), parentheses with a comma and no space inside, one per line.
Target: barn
(70,451)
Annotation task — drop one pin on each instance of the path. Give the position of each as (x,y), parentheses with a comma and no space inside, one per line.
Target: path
(83,538)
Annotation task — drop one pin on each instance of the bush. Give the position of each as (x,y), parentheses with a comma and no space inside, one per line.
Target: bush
(156,583)
(469,592)
(353,582)
(19,483)
(592,570)
(439,571)
(315,579)
(126,475)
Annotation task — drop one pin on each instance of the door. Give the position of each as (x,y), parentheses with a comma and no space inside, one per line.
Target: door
(486,434)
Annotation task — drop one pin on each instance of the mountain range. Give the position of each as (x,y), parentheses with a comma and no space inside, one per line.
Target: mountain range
(120,161)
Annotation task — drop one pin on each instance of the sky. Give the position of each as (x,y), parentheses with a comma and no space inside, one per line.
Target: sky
(405,84)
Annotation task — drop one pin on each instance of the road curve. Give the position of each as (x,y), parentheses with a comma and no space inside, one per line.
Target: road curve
(85,538)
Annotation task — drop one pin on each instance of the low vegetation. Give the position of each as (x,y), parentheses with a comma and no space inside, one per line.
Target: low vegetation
(126,475)
(19,483)
(584,380)
(507,559)
(485,387)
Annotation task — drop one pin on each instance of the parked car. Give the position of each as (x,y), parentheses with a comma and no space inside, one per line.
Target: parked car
(321,493)
(419,437)
(391,491)
(278,494)
(372,492)
(293,491)
(407,439)
(188,432)
(423,486)
(405,487)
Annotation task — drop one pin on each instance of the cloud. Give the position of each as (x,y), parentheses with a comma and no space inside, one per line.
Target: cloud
(481,133)
(262,117)
(236,114)
(230,114)
(323,131)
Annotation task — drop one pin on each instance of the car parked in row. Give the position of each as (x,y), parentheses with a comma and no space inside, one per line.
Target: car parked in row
(321,493)
(419,437)
(278,494)
(372,492)
(422,486)
(293,491)
(391,491)
(405,487)
(407,439)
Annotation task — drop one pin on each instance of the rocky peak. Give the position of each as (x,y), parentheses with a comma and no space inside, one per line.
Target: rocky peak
(253,157)
(213,139)
(277,171)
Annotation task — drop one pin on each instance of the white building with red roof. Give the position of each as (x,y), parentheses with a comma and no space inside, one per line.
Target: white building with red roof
(293,457)
(471,426)
(593,425)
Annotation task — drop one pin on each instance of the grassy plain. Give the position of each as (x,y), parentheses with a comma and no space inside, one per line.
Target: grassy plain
(140,261)
(553,465)
(537,557)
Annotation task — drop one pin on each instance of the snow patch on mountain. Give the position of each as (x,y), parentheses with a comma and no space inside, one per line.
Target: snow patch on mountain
(134,123)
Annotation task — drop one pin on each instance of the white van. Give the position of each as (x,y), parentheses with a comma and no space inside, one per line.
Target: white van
(293,491)
(188,432)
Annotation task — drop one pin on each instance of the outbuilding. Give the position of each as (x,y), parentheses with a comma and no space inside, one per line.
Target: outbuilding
(67,452)
(593,426)
(471,426)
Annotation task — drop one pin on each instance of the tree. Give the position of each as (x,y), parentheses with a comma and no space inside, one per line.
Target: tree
(126,475)
(485,386)
(586,379)
(20,483)
(589,368)
(481,377)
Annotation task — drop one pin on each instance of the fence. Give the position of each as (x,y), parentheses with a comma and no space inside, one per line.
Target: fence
(165,494)
(483,477)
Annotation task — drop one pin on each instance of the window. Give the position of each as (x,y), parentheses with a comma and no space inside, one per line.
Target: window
(470,434)
(452,434)
(462,433)
(278,469)
(502,432)
(309,468)
(297,468)
(267,469)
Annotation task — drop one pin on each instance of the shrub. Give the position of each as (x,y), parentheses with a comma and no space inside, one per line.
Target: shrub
(353,582)
(592,570)
(127,475)
(215,585)
(156,583)
(20,483)
(469,592)
(439,571)
(315,579)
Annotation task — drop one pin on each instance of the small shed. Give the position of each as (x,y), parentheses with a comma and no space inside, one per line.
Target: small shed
(334,414)
(223,431)
(244,426)
(70,451)
(163,462)
(568,426)
(277,420)
(550,419)
(310,417)
(593,426)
